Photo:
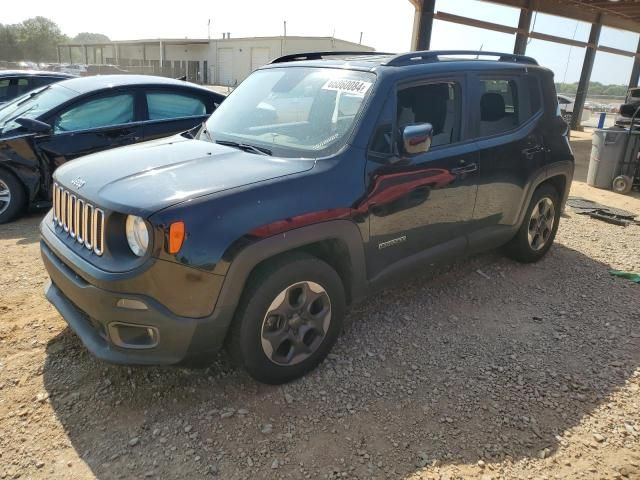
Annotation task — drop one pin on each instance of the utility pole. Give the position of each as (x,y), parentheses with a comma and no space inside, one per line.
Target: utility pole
(285,28)
(360,38)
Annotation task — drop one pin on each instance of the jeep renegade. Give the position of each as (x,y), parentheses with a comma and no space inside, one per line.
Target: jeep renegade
(321,176)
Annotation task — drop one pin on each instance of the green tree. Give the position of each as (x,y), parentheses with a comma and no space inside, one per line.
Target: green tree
(86,37)
(38,38)
(9,48)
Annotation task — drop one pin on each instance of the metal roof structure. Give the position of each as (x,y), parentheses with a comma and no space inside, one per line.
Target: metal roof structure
(620,14)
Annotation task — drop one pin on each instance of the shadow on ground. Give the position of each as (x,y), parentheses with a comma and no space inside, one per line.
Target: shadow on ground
(453,368)
(25,229)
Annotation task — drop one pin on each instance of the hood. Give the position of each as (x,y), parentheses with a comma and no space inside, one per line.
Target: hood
(147,177)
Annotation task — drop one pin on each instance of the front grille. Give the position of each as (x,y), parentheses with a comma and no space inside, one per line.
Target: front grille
(79,220)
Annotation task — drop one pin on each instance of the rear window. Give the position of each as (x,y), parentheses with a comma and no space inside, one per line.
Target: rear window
(173,105)
(4,89)
(499,110)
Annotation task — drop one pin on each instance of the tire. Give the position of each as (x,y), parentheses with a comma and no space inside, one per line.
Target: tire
(524,249)
(12,196)
(286,288)
(622,184)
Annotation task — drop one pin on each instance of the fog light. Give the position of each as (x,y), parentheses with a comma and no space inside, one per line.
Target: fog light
(128,335)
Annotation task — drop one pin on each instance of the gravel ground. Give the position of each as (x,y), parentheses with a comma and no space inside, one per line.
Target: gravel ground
(489,369)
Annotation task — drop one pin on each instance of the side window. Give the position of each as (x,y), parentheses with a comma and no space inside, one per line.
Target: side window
(434,103)
(42,81)
(173,105)
(5,90)
(101,112)
(499,109)
(24,85)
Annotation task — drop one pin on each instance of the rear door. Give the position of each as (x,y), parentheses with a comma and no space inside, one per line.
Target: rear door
(507,110)
(173,111)
(92,124)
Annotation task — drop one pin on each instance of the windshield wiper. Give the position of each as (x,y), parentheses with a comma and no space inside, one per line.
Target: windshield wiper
(29,96)
(245,147)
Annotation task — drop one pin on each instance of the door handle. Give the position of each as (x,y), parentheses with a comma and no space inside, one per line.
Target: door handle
(470,168)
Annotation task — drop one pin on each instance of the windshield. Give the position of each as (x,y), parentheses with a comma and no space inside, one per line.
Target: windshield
(32,105)
(293,112)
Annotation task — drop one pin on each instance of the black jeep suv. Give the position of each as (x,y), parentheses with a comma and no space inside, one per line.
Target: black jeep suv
(319,177)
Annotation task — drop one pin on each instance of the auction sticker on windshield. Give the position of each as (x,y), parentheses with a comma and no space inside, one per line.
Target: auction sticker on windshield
(345,85)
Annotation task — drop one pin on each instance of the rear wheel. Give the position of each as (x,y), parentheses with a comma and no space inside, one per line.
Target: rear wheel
(622,184)
(289,318)
(538,230)
(12,196)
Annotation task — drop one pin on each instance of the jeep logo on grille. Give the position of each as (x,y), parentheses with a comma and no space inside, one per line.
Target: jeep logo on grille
(78,183)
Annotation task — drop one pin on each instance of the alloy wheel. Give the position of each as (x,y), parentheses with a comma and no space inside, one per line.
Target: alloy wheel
(541,223)
(5,196)
(296,323)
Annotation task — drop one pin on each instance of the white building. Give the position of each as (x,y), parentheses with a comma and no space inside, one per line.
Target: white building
(225,61)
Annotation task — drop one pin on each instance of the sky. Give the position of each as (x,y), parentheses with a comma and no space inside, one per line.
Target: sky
(385,25)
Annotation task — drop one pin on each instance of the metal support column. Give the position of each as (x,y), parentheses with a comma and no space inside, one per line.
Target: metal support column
(524,26)
(423,24)
(86,54)
(585,76)
(116,47)
(635,71)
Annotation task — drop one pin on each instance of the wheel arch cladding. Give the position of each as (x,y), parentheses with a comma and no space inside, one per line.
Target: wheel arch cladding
(559,182)
(334,252)
(338,243)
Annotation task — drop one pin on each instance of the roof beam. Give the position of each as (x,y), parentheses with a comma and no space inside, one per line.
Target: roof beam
(472,22)
(555,39)
(570,9)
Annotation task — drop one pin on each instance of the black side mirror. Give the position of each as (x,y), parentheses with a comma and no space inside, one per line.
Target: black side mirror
(33,125)
(416,138)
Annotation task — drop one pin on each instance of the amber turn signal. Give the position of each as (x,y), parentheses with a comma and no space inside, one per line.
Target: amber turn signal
(176,237)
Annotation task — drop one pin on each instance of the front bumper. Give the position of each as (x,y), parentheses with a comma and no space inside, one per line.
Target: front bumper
(89,310)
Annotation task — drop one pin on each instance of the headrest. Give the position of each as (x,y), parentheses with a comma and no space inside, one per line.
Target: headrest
(491,107)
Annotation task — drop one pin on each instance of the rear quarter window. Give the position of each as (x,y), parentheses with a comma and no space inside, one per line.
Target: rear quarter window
(533,92)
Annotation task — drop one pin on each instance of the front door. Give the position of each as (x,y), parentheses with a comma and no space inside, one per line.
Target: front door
(421,208)
(92,125)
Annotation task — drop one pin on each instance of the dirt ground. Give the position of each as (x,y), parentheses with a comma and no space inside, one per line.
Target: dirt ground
(490,369)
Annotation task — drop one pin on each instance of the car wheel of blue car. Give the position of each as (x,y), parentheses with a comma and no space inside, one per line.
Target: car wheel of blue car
(538,229)
(290,317)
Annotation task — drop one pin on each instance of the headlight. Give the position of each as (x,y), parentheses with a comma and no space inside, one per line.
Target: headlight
(137,235)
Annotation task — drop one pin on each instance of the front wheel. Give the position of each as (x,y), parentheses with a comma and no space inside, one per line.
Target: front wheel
(538,230)
(289,318)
